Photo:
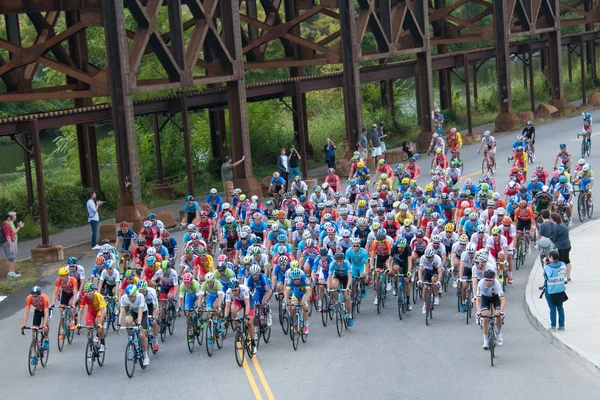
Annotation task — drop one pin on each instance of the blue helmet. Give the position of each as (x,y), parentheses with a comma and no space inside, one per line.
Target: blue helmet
(588,115)
(131,290)
(563,179)
(562,145)
(72,261)
(281,237)
(109,264)
(296,273)
(401,242)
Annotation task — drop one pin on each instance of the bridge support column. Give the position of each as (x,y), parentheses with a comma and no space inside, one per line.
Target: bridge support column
(555,57)
(351,78)
(236,101)
(424,78)
(131,207)
(507,119)
(445,82)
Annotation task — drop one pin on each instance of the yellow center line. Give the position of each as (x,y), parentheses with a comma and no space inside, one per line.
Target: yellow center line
(252,381)
(593,134)
(262,378)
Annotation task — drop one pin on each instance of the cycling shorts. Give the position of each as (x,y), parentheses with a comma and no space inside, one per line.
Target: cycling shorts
(165,291)
(403,266)
(486,301)
(541,206)
(428,274)
(258,296)
(342,279)
(358,270)
(65,298)
(380,261)
(38,317)
(294,301)
(467,273)
(190,301)
(134,315)
(523,225)
(210,299)
(93,317)
(107,289)
(584,183)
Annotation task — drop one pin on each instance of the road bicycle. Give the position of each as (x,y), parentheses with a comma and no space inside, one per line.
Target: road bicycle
(447,275)
(243,344)
(284,316)
(586,145)
(261,315)
(492,335)
(297,326)
(92,349)
(133,351)
(429,301)
(150,333)
(417,291)
(520,249)
(339,309)
(487,166)
(401,293)
(167,321)
(214,332)
(66,327)
(124,261)
(584,205)
(326,306)
(195,328)
(381,290)
(468,298)
(359,286)
(502,268)
(112,313)
(37,354)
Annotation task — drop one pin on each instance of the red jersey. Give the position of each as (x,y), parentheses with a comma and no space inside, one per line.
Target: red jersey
(333,181)
(204,227)
(149,235)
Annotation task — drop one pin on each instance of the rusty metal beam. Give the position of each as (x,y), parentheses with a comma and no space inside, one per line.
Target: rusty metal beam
(187,144)
(501,30)
(39,177)
(27,6)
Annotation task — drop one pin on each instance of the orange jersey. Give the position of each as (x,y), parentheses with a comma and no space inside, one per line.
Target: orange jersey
(41,304)
(69,287)
(380,248)
(524,215)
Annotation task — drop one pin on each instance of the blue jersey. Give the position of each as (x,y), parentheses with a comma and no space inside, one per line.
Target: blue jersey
(260,227)
(260,284)
(277,182)
(531,187)
(340,270)
(279,273)
(357,258)
(298,289)
(171,245)
(288,248)
(96,272)
(323,262)
(127,238)
(215,202)
(191,210)
(243,248)
(518,143)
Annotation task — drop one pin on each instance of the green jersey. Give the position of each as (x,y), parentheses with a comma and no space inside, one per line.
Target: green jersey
(217,287)
(192,288)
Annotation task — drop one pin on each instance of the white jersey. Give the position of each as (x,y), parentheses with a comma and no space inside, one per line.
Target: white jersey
(490,244)
(488,140)
(489,291)
(316,199)
(468,260)
(79,272)
(490,265)
(167,278)
(138,304)
(188,265)
(431,265)
(459,249)
(151,297)
(112,279)
(242,295)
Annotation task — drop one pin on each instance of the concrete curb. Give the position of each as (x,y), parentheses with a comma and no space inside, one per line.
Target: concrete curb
(538,314)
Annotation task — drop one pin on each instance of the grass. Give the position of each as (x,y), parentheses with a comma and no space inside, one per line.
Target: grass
(29,275)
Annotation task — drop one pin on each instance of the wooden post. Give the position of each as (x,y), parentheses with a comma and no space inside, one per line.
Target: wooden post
(185,121)
(468,93)
(156,130)
(39,176)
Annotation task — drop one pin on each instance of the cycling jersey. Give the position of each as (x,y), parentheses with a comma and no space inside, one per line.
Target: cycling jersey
(419,245)
(240,297)
(484,291)
(68,287)
(95,304)
(217,287)
(381,248)
(112,279)
(565,191)
(436,262)
(127,237)
(340,270)
(167,278)
(298,289)
(192,288)
(137,305)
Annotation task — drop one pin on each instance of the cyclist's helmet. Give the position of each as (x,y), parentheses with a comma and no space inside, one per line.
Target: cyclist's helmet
(233,283)
(73,260)
(165,265)
(562,179)
(141,241)
(495,230)
(449,227)
(255,270)
(157,242)
(90,287)
(151,260)
(489,274)
(256,251)
(429,252)
(187,278)
(64,271)
(401,242)
(209,277)
(339,256)
(151,251)
(480,228)
(296,273)
(143,284)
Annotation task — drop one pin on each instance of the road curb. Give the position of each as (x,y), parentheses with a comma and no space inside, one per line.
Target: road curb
(541,319)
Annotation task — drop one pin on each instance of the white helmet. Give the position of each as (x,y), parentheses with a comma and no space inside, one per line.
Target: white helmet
(581,161)
(325,185)
(254,199)
(151,251)
(229,219)
(429,252)
(481,228)
(299,209)
(226,206)
(105,248)
(254,269)
(487,133)
(213,191)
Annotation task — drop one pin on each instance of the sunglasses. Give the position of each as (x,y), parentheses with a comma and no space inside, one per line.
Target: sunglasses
(489,280)
(355,245)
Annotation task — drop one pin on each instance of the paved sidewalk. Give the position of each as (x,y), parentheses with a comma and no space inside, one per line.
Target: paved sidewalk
(582,319)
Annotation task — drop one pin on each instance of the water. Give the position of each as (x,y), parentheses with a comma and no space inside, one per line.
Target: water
(11,155)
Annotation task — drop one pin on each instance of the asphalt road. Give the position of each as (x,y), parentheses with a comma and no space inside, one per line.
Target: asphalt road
(380,356)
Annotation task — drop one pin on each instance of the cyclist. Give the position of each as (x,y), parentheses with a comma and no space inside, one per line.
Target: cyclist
(191,210)
(97,268)
(300,291)
(276,184)
(542,200)
(214,200)
(135,308)
(430,270)
(96,311)
(529,135)
(454,140)
(237,298)
(125,237)
(585,180)
(564,190)
(152,303)
(358,258)
(467,261)
(438,120)
(380,257)
(490,142)
(564,156)
(111,277)
(456,246)
(520,142)
(189,293)
(169,284)
(489,292)
(77,271)
(41,312)
(170,244)
(587,127)
(402,265)
(203,264)
(187,261)
(213,289)
(258,283)
(497,246)
(523,217)
(437,142)
(129,278)
(521,161)
(148,232)
(340,273)
(65,287)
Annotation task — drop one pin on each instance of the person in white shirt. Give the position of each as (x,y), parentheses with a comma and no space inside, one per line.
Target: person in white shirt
(283,165)
(92,207)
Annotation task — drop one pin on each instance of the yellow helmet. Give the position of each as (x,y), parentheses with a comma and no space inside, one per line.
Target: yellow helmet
(438,151)
(64,271)
(405,181)
(360,164)
(362,203)
(381,161)
(428,187)
(449,227)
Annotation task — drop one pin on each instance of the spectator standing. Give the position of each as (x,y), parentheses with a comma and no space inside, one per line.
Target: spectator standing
(227,175)
(546,234)
(375,144)
(329,150)
(361,145)
(16,229)
(92,207)
(562,242)
(382,136)
(7,237)
(408,149)
(283,165)
(555,273)
(294,157)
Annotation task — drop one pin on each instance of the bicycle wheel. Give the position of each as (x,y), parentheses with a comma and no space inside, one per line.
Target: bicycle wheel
(358,298)
(239,348)
(210,333)
(172,320)
(70,333)
(303,336)
(310,305)
(492,343)
(458,296)
(400,304)
(590,209)
(266,333)
(61,333)
(249,344)
(295,332)
(200,332)
(191,337)
(32,358)
(583,147)
(339,324)
(427,301)
(130,359)
(163,330)
(90,357)
(219,338)
(44,354)
(414,290)
(431,304)
(469,308)
(285,321)
(581,210)
(589,149)
(522,253)
(100,357)
(324,309)
(483,166)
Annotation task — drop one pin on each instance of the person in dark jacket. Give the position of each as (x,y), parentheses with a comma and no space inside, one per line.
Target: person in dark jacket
(555,273)
(562,242)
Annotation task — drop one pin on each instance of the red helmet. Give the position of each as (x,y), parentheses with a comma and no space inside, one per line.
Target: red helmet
(452,131)
(124,225)
(100,260)
(165,235)
(222,258)
(514,170)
